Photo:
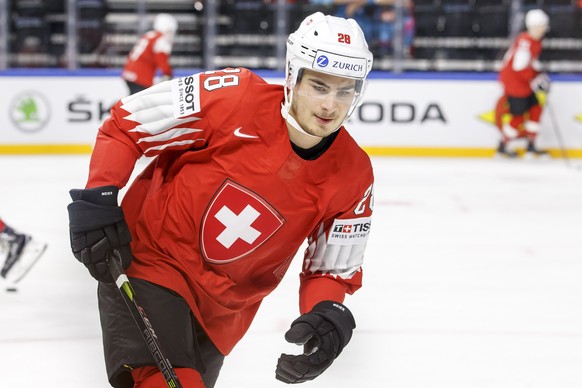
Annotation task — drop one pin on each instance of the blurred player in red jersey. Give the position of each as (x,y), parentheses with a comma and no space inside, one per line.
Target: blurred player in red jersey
(18,251)
(244,173)
(521,78)
(150,53)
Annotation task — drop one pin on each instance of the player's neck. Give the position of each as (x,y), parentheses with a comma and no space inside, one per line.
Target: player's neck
(300,139)
(297,134)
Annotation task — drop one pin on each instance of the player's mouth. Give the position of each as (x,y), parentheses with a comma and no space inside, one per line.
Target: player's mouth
(323,120)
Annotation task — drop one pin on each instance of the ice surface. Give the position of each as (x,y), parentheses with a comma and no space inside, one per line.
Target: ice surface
(473,279)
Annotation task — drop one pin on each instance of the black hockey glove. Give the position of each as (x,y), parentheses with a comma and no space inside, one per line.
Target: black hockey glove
(97,226)
(324,332)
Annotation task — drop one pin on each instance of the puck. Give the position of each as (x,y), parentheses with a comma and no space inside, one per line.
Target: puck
(11,289)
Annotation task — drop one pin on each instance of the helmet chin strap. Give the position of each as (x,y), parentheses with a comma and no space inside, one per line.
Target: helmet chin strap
(290,119)
(286,107)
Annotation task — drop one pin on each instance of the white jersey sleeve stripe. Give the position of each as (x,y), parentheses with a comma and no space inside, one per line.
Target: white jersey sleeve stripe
(356,258)
(168,135)
(317,248)
(338,260)
(157,116)
(159,126)
(162,45)
(158,94)
(174,144)
(343,256)
(522,57)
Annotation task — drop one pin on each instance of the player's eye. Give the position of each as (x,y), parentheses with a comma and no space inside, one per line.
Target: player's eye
(320,88)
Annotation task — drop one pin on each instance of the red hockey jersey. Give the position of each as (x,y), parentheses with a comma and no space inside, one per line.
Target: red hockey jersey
(150,53)
(519,66)
(221,211)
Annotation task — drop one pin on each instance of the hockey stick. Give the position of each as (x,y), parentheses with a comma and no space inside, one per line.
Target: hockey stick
(140,318)
(558,134)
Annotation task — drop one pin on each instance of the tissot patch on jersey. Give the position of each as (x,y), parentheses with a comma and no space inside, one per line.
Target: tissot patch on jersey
(350,231)
(236,223)
(186,95)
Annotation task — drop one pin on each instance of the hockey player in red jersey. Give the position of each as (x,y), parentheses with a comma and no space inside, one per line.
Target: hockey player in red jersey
(244,173)
(150,53)
(521,78)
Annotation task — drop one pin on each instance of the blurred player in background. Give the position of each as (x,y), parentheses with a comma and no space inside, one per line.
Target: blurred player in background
(245,172)
(18,253)
(150,53)
(521,78)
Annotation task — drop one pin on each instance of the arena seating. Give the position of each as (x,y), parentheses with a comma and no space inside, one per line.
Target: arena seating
(449,34)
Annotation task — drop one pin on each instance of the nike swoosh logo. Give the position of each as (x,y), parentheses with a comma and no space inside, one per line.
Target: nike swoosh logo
(238,133)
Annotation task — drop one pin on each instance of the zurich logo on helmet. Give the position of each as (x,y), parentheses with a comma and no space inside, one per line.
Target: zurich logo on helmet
(322,61)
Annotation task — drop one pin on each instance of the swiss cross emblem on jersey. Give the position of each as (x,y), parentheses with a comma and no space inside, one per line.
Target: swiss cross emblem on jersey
(236,223)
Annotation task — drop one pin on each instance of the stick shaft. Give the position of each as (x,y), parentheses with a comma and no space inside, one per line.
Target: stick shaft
(558,133)
(141,320)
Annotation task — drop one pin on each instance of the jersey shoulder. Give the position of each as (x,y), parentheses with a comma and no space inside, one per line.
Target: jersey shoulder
(226,84)
(348,146)
(350,166)
(525,39)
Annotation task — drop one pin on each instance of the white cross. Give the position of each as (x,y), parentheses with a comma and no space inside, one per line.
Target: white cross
(237,226)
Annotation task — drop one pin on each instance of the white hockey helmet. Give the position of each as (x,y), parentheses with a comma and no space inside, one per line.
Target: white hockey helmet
(536,18)
(331,45)
(165,23)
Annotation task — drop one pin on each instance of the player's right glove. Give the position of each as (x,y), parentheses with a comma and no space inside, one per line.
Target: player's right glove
(97,226)
(541,83)
(324,332)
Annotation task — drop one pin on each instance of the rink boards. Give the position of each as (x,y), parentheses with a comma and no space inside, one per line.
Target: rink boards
(412,114)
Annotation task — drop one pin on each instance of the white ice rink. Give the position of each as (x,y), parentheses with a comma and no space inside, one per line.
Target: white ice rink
(473,279)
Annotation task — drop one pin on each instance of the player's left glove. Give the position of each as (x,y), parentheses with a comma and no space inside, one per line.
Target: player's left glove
(97,227)
(324,332)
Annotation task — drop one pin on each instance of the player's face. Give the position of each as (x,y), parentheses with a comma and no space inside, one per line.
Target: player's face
(322,101)
(538,32)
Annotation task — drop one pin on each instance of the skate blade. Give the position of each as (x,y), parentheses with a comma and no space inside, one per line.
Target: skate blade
(503,156)
(529,156)
(536,156)
(30,255)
